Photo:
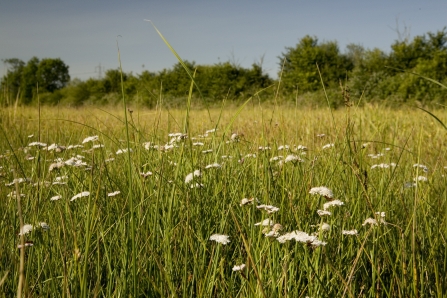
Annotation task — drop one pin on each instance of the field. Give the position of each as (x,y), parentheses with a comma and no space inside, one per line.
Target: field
(252,202)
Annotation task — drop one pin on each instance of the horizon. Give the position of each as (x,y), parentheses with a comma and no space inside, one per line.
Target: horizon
(85,35)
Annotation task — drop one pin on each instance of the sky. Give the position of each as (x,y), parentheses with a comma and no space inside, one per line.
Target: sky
(85,33)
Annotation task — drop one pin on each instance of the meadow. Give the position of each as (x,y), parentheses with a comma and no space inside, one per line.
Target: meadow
(257,201)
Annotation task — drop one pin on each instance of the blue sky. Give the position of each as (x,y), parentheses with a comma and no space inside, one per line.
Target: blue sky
(84,33)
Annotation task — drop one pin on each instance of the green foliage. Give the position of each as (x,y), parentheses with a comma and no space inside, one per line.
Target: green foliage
(85,246)
(300,65)
(22,80)
(380,75)
(217,82)
(370,74)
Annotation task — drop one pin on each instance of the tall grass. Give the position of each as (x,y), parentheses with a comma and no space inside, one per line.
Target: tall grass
(88,250)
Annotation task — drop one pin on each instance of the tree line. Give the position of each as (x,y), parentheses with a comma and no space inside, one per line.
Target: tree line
(371,74)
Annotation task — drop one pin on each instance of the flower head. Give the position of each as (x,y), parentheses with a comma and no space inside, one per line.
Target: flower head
(370,221)
(44,226)
(55,198)
(80,195)
(238,267)
(292,158)
(90,139)
(191,176)
(322,191)
(27,228)
(246,201)
(213,165)
(327,205)
(268,208)
(26,244)
(219,238)
(423,167)
(324,213)
(350,232)
(265,222)
(325,227)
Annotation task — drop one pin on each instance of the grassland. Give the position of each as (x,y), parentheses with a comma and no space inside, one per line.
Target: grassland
(152,239)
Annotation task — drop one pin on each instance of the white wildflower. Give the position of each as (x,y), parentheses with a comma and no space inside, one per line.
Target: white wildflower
(292,158)
(317,243)
(198,144)
(74,147)
(97,146)
(276,158)
(327,146)
(383,165)
(115,193)
(265,222)
(27,228)
(235,137)
(56,166)
(301,148)
(27,244)
(13,194)
(324,213)
(261,148)
(325,227)
(246,201)
(375,156)
(75,162)
(238,267)
(55,198)
(44,226)
(90,139)
(350,232)
(381,214)
(322,191)
(121,151)
(271,234)
(409,184)
(80,195)
(321,135)
(219,238)
(148,145)
(421,178)
(332,203)
(197,185)
(370,221)
(268,208)
(250,155)
(297,236)
(283,147)
(18,180)
(213,165)
(30,136)
(37,144)
(144,175)
(60,178)
(191,176)
(423,167)
(207,151)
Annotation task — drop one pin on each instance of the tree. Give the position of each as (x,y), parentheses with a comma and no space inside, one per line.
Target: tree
(52,74)
(23,79)
(29,81)
(10,83)
(300,65)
